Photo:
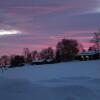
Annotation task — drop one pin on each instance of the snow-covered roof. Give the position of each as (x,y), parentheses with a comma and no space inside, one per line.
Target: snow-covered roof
(49,60)
(42,60)
(88,53)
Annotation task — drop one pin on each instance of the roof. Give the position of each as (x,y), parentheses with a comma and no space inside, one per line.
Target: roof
(88,53)
(42,60)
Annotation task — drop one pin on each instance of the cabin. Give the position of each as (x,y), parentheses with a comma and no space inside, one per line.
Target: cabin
(88,55)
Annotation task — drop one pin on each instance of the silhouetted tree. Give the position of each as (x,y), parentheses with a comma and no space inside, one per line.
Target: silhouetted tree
(96,40)
(34,54)
(92,48)
(58,52)
(66,49)
(17,60)
(27,55)
(5,60)
(47,53)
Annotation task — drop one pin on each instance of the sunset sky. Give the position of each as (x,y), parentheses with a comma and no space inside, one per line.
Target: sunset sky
(37,24)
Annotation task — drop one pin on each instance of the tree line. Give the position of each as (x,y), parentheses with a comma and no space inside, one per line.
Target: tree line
(66,50)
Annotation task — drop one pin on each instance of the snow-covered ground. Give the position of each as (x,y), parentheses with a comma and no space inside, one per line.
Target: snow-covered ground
(63,81)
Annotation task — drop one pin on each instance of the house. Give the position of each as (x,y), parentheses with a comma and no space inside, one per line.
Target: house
(88,55)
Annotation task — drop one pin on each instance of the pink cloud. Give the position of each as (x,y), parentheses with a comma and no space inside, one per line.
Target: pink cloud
(86,45)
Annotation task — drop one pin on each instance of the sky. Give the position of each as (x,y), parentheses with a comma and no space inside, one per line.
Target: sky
(42,23)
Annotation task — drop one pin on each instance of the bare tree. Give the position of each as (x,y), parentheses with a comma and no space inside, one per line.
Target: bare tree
(34,53)
(96,40)
(27,55)
(47,53)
